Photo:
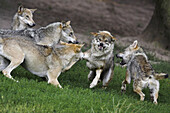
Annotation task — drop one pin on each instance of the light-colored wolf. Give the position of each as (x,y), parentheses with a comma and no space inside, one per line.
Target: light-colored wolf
(43,61)
(47,36)
(44,36)
(100,58)
(140,71)
(23,18)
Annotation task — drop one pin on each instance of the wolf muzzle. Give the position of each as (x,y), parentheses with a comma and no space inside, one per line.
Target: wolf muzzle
(122,62)
(31,25)
(75,42)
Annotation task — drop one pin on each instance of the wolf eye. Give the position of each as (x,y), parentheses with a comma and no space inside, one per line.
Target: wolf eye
(106,40)
(71,33)
(27,16)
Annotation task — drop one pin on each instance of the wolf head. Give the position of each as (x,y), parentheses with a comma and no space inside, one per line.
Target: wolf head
(67,33)
(129,52)
(103,40)
(25,16)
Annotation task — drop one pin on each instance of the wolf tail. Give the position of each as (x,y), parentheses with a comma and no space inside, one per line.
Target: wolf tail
(159,76)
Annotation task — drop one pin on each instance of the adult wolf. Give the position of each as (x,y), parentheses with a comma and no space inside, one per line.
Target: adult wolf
(23,18)
(49,35)
(100,58)
(44,36)
(140,71)
(43,61)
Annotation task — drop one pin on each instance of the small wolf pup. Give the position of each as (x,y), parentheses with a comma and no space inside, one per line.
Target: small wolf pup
(140,71)
(42,61)
(23,18)
(100,58)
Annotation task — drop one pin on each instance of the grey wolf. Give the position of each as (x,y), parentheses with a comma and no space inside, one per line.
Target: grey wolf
(23,18)
(47,36)
(140,71)
(43,61)
(100,58)
(44,36)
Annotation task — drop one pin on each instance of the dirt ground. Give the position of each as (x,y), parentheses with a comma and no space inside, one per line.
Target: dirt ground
(126,19)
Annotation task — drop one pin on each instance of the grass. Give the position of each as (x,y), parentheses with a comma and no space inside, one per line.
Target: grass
(33,94)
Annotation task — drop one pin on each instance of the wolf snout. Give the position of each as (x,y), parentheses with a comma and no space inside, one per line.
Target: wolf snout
(70,42)
(122,62)
(31,25)
(101,44)
(75,42)
(118,56)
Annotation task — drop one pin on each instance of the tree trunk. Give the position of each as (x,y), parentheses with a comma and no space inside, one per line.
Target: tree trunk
(158,30)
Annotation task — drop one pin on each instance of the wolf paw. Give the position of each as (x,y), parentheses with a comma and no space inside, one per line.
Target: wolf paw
(92,85)
(123,90)
(155,102)
(142,98)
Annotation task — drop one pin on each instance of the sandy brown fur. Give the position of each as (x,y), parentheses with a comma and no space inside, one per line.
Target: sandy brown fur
(42,61)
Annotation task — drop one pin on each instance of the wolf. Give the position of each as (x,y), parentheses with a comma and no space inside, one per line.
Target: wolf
(43,61)
(44,36)
(23,19)
(100,58)
(140,71)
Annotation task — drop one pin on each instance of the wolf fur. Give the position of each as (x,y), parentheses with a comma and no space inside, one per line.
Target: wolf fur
(100,58)
(23,18)
(140,71)
(42,61)
(46,36)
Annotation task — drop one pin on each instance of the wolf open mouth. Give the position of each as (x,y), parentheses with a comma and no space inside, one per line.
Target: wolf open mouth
(122,62)
(100,47)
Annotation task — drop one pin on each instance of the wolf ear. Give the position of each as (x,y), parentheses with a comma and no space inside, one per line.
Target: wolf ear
(113,38)
(33,10)
(94,34)
(135,44)
(68,23)
(20,9)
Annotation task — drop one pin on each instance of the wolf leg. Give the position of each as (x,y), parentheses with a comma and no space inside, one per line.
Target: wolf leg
(108,77)
(96,79)
(138,90)
(16,57)
(3,63)
(91,75)
(126,81)
(154,89)
(53,75)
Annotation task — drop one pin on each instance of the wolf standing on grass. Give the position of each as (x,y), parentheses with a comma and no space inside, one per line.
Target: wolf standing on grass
(100,58)
(42,61)
(140,71)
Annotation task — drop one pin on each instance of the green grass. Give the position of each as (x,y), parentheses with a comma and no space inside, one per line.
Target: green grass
(33,94)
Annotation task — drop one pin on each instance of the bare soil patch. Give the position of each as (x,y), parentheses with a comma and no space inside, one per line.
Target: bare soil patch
(125,19)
